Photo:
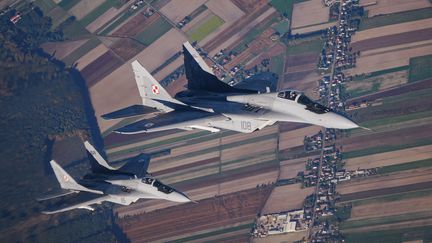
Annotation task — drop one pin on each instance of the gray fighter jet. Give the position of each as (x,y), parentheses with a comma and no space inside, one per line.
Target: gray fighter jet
(210,104)
(123,184)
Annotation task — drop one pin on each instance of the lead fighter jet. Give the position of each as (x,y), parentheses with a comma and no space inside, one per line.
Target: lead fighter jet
(123,184)
(210,104)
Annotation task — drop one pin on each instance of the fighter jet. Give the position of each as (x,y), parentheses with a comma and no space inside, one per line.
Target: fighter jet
(210,104)
(123,184)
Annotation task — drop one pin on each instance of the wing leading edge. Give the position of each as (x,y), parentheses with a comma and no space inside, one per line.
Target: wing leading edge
(178,119)
(85,204)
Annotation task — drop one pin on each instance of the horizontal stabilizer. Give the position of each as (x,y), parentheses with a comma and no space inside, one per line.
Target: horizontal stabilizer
(134,110)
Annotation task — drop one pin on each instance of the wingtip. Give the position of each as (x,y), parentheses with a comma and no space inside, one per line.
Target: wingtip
(136,62)
(53,163)
(105,117)
(367,129)
(129,130)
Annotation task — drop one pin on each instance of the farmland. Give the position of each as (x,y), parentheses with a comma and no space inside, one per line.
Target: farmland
(383,7)
(223,213)
(309,13)
(236,176)
(206,28)
(395,18)
(420,68)
(154,31)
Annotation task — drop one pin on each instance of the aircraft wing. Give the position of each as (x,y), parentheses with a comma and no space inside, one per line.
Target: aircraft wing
(49,196)
(177,119)
(130,111)
(84,202)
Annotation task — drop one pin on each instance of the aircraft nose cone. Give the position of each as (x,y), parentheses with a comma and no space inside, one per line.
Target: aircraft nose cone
(179,197)
(338,121)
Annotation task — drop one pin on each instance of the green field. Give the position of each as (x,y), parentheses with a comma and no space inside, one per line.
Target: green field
(154,31)
(383,149)
(81,51)
(285,7)
(282,27)
(393,197)
(420,68)
(380,72)
(385,220)
(75,30)
(372,82)
(277,64)
(361,91)
(424,94)
(396,106)
(213,233)
(210,25)
(396,18)
(391,236)
(45,5)
(406,166)
(312,45)
(396,119)
(68,4)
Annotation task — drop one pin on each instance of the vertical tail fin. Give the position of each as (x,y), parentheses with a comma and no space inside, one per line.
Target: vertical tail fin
(199,75)
(150,90)
(97,162)
(137,165)
(66,181)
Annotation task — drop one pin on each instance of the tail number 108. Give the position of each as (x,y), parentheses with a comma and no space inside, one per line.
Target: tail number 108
(246,125)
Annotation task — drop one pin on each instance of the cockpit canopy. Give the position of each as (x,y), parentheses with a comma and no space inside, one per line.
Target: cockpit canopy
(289,94)
(304,100)
(147,180)
(159,185)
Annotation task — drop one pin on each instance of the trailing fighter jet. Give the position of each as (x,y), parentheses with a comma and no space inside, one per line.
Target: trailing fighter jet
(123,184)
(210,104)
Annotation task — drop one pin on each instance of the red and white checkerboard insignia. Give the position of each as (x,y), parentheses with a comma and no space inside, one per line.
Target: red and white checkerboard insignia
(66,178)
(155,89)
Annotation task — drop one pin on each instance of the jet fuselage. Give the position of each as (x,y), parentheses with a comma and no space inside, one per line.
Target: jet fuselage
(253,110)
